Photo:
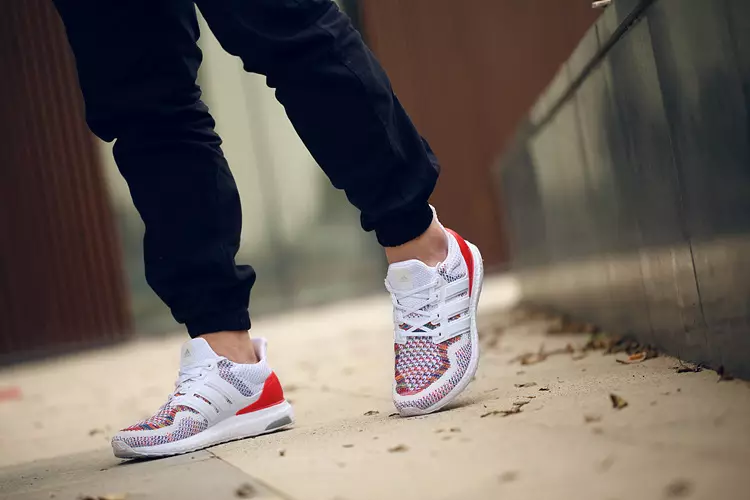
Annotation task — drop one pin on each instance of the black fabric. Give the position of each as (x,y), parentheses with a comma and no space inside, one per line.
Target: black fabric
(137,63)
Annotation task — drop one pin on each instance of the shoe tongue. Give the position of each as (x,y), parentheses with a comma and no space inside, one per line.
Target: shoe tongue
(404,276)
(196,350)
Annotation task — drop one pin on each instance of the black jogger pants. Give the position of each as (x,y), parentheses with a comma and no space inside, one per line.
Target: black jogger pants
(137,64)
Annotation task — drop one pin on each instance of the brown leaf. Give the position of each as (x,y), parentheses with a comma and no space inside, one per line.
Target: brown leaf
(398,448)
(545,388)
(455,429)
(348,445)
(638,357)
(371,413)
(525,384)
(683,368)
(246,490)
(723,375)
(592,418)
(606,464)
(520,403)
(516,408)
(532,358)
(618,403)
(679,488)
(507,477)
(393,415)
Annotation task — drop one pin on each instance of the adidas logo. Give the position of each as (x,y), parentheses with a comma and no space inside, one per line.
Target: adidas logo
(187,354)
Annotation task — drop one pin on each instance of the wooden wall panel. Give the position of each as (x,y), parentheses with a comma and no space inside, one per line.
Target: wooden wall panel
(467,72)
(61,284)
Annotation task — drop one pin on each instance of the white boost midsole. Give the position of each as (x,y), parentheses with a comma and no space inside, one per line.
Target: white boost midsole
(234,427)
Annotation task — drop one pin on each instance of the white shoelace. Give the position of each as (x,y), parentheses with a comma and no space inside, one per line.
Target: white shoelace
(192,373)
(420,314)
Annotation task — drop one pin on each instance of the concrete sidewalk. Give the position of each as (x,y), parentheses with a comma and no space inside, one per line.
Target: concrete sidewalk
(682,435)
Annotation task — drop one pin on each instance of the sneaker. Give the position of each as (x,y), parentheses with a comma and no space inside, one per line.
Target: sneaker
(436,342)
(215,401)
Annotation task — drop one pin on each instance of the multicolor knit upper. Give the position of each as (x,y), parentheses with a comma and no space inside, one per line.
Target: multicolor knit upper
(244,378)
(419,363)
(463,357)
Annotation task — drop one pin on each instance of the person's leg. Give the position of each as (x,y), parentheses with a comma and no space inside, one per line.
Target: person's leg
(137,62)
(341,103)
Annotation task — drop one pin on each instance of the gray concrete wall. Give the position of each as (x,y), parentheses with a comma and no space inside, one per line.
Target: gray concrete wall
(627,190)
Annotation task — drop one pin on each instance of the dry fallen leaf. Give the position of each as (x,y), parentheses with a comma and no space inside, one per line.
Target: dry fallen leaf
(371,413)
(617,402)
(516,408)
(525,384)
(638,357)
(393,415)
(246,490)
(679,488)
(545,388)
(398,448)
(682,368)
(723,375)
(532,358)
(455,429)
(348,445)
(508,476)
(592,418)
(606,464)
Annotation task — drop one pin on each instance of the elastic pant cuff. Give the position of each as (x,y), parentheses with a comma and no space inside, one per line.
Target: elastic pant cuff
(403,225)
(225,321)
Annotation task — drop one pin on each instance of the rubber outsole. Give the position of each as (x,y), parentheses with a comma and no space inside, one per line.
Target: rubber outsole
(234,428)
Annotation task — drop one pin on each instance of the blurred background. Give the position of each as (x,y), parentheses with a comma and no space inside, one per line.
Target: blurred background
(601,156)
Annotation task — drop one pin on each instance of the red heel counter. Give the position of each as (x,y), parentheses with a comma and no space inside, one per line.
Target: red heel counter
(271,395)
(468,256)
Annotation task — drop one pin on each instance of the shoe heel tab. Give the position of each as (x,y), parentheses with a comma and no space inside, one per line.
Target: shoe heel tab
(260,345)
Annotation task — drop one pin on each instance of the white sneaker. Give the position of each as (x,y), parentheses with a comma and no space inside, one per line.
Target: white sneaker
(215,401)
(436,342)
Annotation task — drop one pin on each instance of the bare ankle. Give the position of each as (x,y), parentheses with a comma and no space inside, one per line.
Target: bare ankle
(236,346)
(431,247)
